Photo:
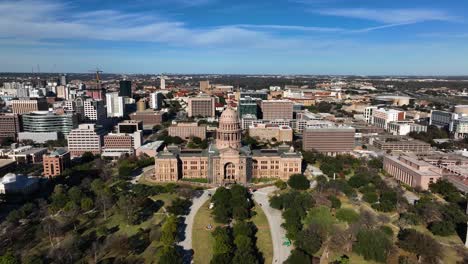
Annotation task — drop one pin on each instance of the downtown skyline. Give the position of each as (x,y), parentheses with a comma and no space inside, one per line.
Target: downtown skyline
(213,36)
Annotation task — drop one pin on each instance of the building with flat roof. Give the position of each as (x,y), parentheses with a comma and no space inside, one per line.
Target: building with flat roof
(248,106)
(56,162)
(149,118)
(24,106)
(85,138)
(403,128)
(277,109)
(203,106)
(125,88)
(115,105)
(187,130)
(329,140)
(382,117)
(271,132)
(18,184)
(48,121)
(9,126)
(412,171)
(150,149)
(401,144)
(25,154)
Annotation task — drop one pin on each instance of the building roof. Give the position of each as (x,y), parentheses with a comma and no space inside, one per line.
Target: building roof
(58,152)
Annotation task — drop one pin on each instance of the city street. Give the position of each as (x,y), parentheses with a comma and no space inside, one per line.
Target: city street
(275,219)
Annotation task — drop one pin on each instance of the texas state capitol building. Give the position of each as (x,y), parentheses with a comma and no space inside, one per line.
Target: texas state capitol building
(226,161)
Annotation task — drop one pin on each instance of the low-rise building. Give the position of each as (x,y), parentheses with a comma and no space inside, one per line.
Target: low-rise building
(402,144)
(329,140)
(86,138)
(149,117)
(187,130)
(56,162)
(150,149)
(9,126)
(412,171)
(25,154)
(271,132)
(18,184)
(404,128)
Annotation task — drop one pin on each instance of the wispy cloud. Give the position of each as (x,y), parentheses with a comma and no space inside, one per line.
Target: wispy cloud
(113,25)
(391,16)
(291,27)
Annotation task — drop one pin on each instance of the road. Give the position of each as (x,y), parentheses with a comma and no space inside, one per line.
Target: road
(275,219)
(196,204)
(144,170)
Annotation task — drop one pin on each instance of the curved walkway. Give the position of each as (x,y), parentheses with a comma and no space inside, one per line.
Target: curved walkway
(275,219)
(196,204)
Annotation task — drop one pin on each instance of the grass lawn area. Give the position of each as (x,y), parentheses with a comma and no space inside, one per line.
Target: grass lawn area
(202,240)
(264,242)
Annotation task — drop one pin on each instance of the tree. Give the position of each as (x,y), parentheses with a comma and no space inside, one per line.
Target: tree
(8,258)
(221,259)
(373,245)
(87,157)
(280,185)
(75,194)
(299,182)
(180,206)
(425,247)
(222,244)
(308,241)
(442,228)
(320,219)
(347,215)
(298,257)
(370,197)
(169,255)
(86,204)
(128,208)
(335,202)
(169,231)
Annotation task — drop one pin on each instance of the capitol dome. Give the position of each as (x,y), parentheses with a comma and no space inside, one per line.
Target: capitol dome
(228,134)
(229,116)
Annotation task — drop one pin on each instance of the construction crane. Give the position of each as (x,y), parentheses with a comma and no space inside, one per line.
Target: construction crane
(98,78)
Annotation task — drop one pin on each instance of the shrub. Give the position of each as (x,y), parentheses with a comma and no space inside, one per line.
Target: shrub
(442,228)
(347,215)
(335,202)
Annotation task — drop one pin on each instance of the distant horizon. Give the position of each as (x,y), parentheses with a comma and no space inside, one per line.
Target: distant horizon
(241,74)
(324,37)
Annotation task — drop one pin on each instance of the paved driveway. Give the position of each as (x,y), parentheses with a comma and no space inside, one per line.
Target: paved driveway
(275,219)
(196,204)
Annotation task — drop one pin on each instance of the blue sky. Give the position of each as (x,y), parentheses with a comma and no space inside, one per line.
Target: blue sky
(365,37)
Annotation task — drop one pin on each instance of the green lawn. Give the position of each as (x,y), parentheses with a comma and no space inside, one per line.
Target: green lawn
(202,240)
(264,242)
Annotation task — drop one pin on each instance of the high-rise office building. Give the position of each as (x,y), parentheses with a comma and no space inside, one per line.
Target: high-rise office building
(205,86)
(248,106)
(163,83)
(63,79)
(277,109)
(201,106)
(156,100)
(125,88)
(115,105)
